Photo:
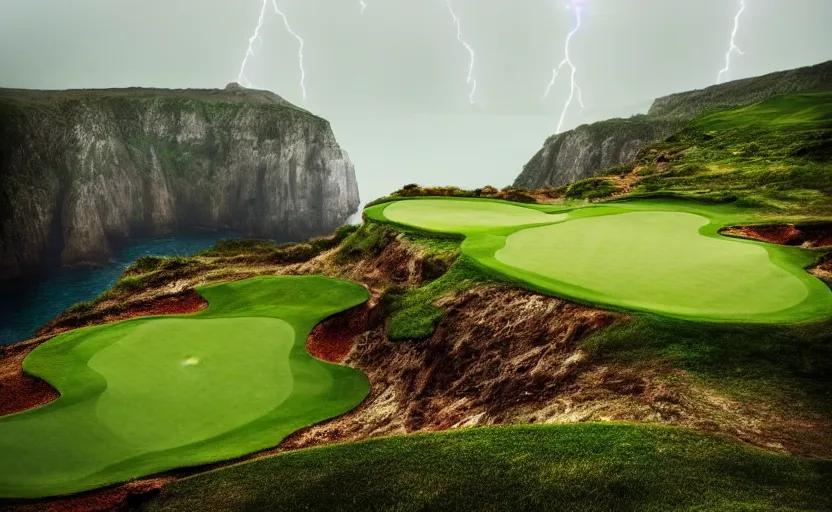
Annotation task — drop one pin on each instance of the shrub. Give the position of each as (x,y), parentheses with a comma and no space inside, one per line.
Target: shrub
(369,240)
(519,197)
(414,323)
(233,247)
(592,188)
(80,308)
(144,264)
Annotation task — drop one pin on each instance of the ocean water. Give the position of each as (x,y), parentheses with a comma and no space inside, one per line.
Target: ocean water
(27,305)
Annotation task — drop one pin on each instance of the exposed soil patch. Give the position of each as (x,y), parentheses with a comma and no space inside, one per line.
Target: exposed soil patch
(400,262)
(181,303)
(497,353)
(333,340)
(19,391)
(809,235)
(823,269)
(503,356)
(101,500)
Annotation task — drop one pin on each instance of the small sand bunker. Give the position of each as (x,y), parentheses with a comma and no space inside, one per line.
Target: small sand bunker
(191,361)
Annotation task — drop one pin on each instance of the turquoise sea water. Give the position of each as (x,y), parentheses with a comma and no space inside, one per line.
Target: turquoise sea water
(27,305)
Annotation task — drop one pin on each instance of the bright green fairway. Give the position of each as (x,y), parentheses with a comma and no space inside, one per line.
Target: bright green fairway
(659,256)
(147,395)
(461,215)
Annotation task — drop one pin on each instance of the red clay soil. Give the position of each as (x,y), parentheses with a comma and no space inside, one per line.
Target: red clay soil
(183,303)
(101,500)
(333,340)
(19,391)
(819,235)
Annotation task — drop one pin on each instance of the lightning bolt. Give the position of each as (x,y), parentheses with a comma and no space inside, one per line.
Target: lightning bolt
(241,78)
(470,80)
(300,47)
(363,5)
(733,47)
(577,7)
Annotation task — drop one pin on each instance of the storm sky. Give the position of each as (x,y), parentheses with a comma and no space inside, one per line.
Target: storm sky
(368,73)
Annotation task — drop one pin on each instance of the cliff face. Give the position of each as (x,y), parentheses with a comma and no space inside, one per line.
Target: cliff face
(80,170)
(581,153)
(577,154)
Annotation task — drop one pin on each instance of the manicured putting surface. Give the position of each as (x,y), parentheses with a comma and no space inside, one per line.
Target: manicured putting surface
(455,215)
(147,395)
(656,261)
(659,256)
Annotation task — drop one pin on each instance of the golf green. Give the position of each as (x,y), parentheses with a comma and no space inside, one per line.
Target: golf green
(460,215)
(658,256)
(147,395)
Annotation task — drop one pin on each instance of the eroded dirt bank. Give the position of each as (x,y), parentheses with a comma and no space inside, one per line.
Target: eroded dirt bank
(808,235)
(19,391)
(503,356)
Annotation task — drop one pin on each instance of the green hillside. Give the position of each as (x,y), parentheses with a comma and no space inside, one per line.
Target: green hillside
(586,467)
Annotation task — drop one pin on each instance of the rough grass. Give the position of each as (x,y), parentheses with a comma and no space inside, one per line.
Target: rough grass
(773,156)
(771,363)
(586,467)
(366,242)
(514,194)
(412,313)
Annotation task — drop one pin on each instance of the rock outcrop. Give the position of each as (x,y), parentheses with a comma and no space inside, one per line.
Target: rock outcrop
(81,171)
(581,153)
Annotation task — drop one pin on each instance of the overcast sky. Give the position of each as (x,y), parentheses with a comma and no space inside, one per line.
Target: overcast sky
(402,55)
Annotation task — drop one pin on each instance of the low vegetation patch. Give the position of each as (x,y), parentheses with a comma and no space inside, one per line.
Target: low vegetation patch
(412,313)
(790,366)
(772,156)
(592,188)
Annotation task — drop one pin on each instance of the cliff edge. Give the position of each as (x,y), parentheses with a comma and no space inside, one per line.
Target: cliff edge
(582,152)
(82,170)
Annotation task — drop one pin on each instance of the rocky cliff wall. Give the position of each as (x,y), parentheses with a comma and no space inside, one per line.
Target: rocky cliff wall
(81,171)
(581,153)
(577,154)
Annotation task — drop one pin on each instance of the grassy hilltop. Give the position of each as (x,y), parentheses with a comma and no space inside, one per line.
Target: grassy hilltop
(589,149)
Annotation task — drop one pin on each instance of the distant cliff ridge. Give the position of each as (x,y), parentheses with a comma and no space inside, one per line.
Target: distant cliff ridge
(80,170)
(580,153)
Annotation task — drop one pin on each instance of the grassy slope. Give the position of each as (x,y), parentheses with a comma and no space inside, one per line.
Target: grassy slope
(631,267)
(78,441)
(774,156)
(575,467)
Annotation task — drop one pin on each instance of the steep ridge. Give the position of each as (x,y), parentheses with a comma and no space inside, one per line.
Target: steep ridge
(580,153)
(83,170)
